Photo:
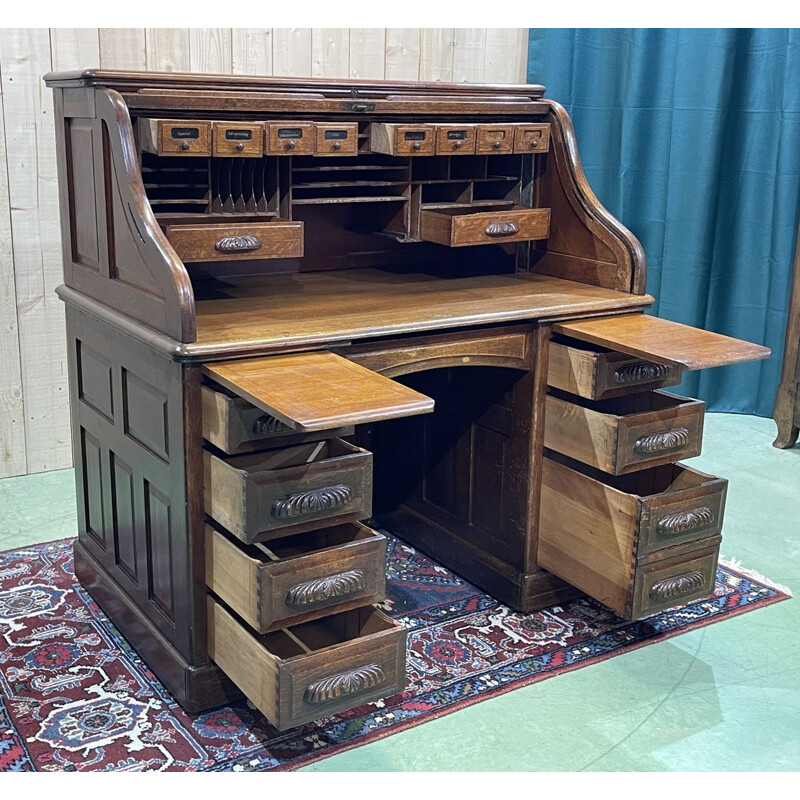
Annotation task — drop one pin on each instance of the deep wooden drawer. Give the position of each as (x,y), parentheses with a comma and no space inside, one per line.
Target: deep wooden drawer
(457,227)
(531,138)
(494,139)
(596,373)
(236,426)
(290,138)
(242,139)
(265,495)
(626,433)
(311,670)
(402,140)
(336,139)
(204,242)
(184,137)
(606,535)
(299,577)
(455,140)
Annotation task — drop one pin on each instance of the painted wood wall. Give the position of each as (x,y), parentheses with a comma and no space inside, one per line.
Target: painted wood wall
(34,408)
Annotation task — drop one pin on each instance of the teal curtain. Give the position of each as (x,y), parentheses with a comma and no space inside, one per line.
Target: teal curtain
(691,138)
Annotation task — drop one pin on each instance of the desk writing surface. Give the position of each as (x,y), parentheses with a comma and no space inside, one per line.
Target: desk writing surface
(340,305)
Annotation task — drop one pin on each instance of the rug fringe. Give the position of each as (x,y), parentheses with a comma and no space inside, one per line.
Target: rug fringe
(736,565)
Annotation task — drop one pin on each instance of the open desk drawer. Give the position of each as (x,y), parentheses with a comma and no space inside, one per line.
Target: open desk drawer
(637,543)
(317,391)
(299,578)
(312,670)
(264,495)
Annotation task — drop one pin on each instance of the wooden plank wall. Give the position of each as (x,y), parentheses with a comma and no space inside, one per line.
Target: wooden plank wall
(34,411)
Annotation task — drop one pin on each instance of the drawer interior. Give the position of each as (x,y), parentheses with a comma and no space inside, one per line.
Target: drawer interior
(286,457)
(624,405)
(302,544)
(324,633)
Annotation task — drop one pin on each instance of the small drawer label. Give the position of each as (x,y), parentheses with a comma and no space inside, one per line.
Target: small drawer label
(290,133)
(184,133)
(336,134)
(415,136)
(457,135)
(239,135)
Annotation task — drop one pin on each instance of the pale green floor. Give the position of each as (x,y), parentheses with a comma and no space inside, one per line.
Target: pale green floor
(724,697)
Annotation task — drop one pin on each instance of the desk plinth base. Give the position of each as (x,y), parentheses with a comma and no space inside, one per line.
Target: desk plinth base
(521,591)
(196,688)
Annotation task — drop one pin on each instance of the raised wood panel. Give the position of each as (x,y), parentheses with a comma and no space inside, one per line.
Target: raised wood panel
(95,381)
(93,499)
(124,517)
(34,415)
(160,578)
(145,414)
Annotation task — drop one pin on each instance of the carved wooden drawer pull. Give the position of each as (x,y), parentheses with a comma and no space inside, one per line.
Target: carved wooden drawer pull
(685,521)
(321,589)
(238,244)
(658,442)
(643,371)
(266,423)
(337,686)
(502,229)
(679,586)
(313,501)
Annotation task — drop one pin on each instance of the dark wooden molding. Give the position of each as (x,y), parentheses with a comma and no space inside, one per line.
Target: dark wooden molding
(642,372)
(313,501)
(659,442)
(323,589)
(677,587)
(685,521)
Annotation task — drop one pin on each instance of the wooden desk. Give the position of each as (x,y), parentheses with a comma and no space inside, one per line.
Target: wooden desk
(295,306)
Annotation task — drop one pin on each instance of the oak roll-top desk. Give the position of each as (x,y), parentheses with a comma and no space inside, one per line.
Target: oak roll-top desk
(295,305)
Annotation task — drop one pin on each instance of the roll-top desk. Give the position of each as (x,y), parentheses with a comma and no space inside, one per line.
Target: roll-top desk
(297,305)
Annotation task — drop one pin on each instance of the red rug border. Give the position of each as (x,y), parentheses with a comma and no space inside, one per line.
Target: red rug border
(321,755)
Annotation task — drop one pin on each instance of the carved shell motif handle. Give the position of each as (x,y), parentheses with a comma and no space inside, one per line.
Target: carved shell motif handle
(685,521)
(659,442)
(502,229)
(328,498)
(322,589)
(642,371)
(337,686)
(679,586)
(238,244)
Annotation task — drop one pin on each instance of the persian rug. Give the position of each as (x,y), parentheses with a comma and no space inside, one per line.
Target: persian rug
(74,696)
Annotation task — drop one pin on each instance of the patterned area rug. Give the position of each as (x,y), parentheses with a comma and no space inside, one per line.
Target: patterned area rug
(74,696)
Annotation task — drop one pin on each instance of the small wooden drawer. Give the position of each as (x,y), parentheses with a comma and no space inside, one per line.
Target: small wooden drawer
(606,535)
(532,138)
(596,373)
(184,137)
(337,139)
(311,670)
(236,241)
(494,139)
(300,577)
(626,433)
(265,495)
(402,140)
(675,578)
(242,139)
(290,138)
(459,227)
(455,140)
(236,426)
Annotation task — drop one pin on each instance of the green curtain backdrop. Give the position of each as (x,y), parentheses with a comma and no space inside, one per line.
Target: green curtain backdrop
(691,138)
